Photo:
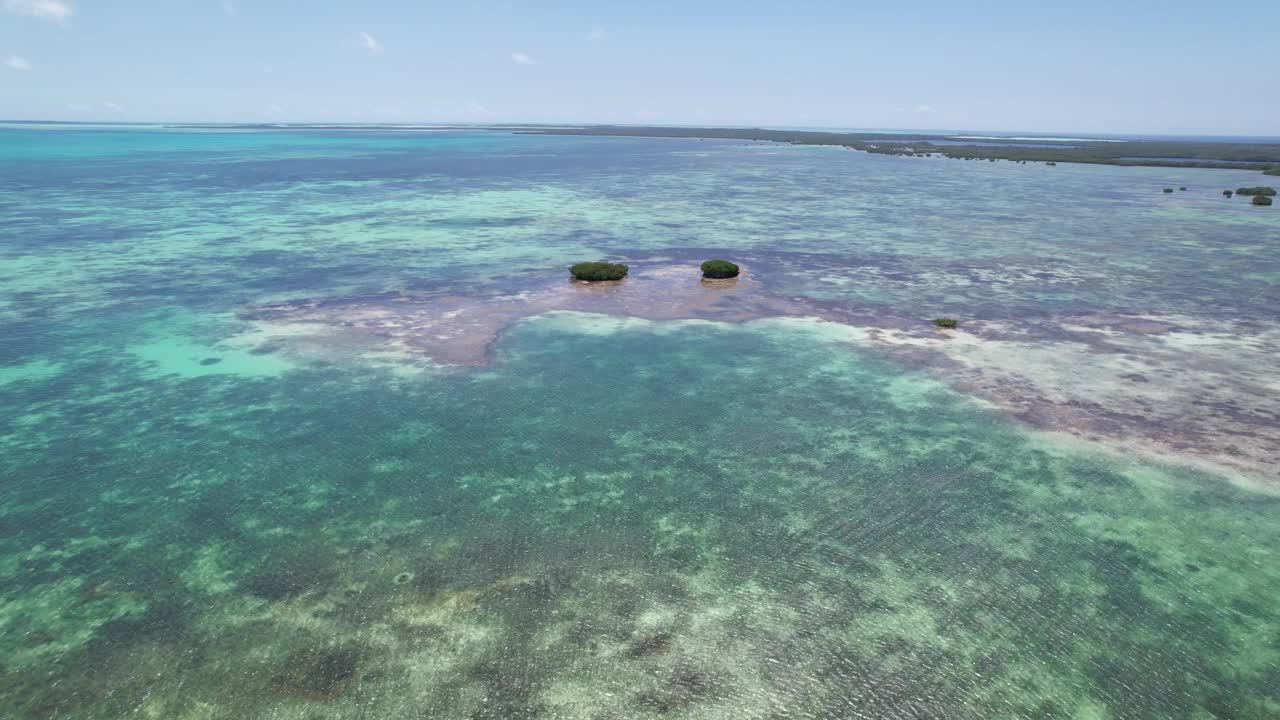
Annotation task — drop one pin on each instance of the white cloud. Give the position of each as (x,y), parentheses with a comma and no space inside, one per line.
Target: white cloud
(474,108)
(596,34)
(370,42)
(18,63)
(78,107)
(520,58)
(113,107)
(54,10)
(925,109)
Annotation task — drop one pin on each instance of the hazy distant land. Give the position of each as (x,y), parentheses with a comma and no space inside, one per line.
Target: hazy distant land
(1155,153)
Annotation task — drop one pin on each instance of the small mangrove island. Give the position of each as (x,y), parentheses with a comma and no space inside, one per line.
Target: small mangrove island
(719,269)
(1260,190)
(1262,200)
(945,322)
(598,271)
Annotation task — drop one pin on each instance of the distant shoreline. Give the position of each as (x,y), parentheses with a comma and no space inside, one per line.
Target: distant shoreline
(1130,151)
(1141,153)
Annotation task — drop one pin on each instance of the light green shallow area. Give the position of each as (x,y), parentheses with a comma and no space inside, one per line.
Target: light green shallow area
(621,519)
(614,518)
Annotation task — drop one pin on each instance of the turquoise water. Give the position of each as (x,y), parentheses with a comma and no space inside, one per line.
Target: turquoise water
(613,517)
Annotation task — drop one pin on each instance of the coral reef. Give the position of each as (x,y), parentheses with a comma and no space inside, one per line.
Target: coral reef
(323,673)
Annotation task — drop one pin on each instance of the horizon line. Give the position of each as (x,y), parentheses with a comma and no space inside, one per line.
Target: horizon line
(517,123)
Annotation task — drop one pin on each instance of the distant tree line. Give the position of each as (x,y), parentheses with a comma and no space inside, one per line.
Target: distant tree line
(1151,153)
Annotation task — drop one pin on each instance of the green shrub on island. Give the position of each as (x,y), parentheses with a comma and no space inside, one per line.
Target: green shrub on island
(596,271)
(719,269)
(945,322)
(1272,171)
(1262,200)
(1227,193)
(1168,190)
(1182,189)
(1260,190)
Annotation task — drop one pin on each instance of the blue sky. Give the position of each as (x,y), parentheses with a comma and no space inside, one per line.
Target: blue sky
(1086,66)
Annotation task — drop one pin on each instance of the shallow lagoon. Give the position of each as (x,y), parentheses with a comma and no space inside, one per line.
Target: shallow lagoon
(611,516)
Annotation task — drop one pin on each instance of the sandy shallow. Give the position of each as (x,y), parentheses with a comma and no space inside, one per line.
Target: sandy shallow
(1173,388)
